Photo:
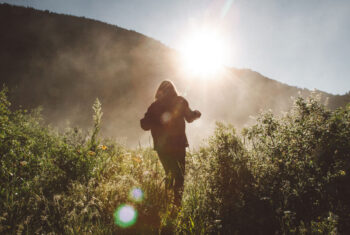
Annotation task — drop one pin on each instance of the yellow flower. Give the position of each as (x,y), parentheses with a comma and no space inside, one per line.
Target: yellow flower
(103,147)
(91,153)
(137,159)
(342,173)
(23,163)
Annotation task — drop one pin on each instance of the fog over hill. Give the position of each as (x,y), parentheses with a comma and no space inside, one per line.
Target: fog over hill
(63,63)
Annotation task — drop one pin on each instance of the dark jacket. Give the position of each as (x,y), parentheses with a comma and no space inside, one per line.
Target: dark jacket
(166,120)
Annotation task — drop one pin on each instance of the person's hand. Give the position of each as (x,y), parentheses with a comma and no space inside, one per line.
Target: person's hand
(197,113)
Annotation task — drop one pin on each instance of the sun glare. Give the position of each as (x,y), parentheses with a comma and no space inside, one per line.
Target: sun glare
(204,53)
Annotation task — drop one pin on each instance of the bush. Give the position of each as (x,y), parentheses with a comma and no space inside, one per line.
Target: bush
(36,164)
(290,175)
(287,175)
(69,182)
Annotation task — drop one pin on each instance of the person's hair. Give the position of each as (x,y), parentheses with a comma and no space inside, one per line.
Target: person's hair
(166,89)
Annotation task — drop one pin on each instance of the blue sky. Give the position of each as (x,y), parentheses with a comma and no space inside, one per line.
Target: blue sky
(298,42)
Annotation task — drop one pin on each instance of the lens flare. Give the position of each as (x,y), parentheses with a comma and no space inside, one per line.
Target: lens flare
(136,194)
(125,216)
(165,118)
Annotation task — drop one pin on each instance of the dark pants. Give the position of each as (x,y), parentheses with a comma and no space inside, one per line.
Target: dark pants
(173,162)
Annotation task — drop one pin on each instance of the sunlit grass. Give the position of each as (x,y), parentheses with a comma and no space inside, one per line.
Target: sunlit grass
(78,183)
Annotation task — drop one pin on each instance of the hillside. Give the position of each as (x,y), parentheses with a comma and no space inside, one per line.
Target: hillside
(63,63)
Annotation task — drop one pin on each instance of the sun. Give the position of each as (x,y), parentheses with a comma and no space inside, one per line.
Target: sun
(204,53)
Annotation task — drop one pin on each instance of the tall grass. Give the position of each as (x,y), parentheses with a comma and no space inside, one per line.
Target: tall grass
(72,182)
(286,175)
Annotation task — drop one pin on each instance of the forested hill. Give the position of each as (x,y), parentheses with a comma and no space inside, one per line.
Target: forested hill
(63,63)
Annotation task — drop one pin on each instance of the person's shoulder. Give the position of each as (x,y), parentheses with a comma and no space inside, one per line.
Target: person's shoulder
(153,105)
(180,100)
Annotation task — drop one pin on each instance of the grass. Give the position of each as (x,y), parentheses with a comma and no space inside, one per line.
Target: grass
(286,175)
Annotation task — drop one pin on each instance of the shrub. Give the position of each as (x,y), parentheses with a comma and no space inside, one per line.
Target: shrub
(71,182)
(285,175)
(291,175)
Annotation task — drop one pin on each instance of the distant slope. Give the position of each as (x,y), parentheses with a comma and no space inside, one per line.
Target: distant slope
(64,62)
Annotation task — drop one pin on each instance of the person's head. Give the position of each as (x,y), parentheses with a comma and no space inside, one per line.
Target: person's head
(166,89)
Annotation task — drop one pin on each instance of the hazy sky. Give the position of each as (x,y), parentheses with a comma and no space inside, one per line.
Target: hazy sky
(305,43)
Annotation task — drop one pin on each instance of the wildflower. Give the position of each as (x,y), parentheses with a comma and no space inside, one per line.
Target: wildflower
(137,159)
(91,153)
(23,163)
(103,147)
(342,173)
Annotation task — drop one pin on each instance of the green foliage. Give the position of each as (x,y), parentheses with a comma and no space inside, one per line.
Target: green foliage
(36,164)
(290,176)
(287,175)
(222,192)
(68,182)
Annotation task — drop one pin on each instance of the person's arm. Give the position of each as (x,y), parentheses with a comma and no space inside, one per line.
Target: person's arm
(146,122)
(190,115)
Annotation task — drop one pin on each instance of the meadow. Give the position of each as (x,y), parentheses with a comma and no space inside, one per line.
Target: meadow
(284,175)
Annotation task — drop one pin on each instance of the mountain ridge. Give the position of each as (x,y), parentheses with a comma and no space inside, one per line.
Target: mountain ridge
(64,62)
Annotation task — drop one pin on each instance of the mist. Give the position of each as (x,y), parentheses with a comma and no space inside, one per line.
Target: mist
(63,63)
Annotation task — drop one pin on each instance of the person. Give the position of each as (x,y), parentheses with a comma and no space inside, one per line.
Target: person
(166,119)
